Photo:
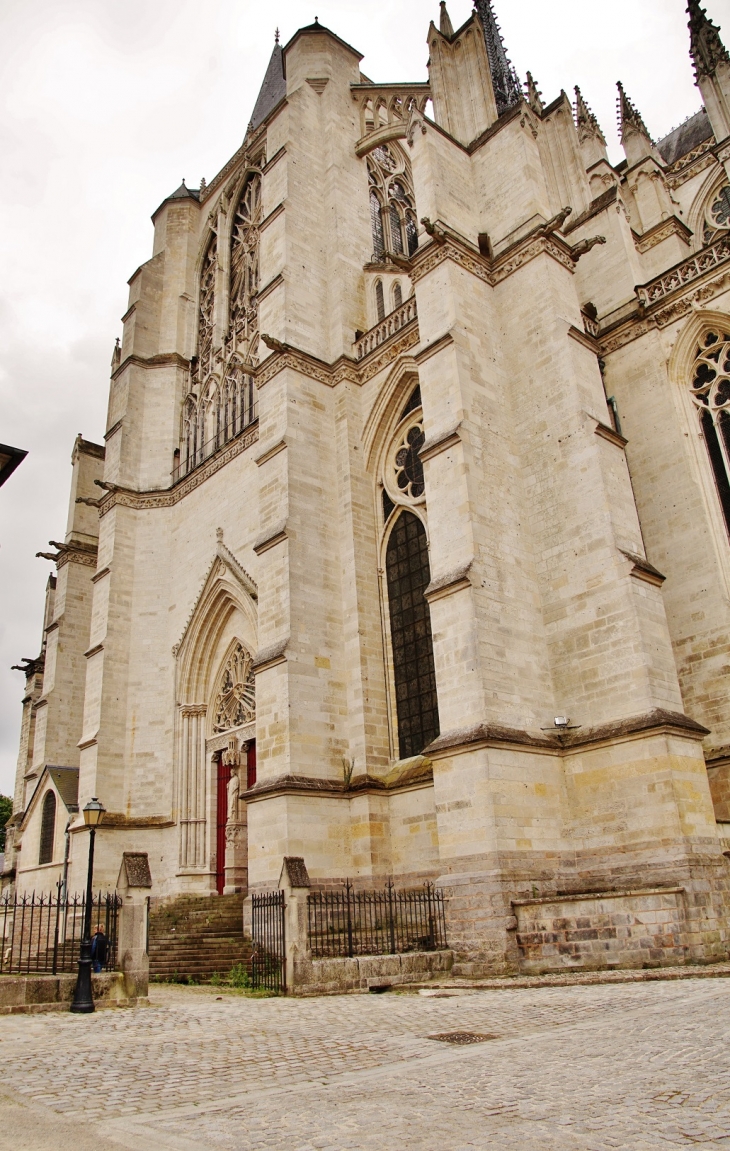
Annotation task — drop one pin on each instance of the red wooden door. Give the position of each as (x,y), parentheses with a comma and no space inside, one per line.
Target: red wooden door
(224,775)
(251,764)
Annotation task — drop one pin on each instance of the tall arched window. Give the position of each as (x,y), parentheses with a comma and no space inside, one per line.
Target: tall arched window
(379,300)
(397,295)
(48,828)
(711,394)
(206,308)
(408,576)
(392,203)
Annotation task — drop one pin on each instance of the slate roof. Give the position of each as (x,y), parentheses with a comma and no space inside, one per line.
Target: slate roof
(272,90)
(687,136)
(181,193)
(66,780)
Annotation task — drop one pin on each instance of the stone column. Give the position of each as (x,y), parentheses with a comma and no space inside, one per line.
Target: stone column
(192,787)
(134,884)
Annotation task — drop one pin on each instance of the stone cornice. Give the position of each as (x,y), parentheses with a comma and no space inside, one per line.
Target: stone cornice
(448,245)
(441,442)
(492,735)
(168,497)
(421,776)
(118,821)
(163,359)
(673,226)
(445,585)
(594,209)
(73,552)
(271,656)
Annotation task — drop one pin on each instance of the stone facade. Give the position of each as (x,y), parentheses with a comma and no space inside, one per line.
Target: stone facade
(407,455)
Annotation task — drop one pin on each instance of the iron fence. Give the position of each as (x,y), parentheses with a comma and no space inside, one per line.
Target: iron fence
(268,956)
(348,922)
(41,934)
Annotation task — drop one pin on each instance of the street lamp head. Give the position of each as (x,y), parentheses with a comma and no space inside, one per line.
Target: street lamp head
(94,812)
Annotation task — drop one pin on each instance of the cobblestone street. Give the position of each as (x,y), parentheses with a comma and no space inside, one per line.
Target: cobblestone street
(582,1068)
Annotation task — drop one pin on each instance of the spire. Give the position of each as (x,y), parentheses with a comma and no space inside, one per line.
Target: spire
(534,96)
(586,122)
(445,26)
(635,138)
(706,47)
(273,88)
(507,90)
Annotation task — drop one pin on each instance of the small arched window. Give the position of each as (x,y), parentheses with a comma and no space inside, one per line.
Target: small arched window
(48,828)
(408,576)
(397,295)
(379,299)
(711,394)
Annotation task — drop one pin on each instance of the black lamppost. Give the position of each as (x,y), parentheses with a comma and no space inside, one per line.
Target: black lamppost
(82,1001)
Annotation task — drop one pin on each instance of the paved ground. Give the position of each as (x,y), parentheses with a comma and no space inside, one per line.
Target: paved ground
(634,1066)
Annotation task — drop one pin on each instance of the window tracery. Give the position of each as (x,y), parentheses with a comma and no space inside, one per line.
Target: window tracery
(206,309)
(407,574)
(403,479)
(222,399)
(711,395)
(717,214)
(235,702)
(392,203)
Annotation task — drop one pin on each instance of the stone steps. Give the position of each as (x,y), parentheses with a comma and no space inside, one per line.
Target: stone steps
(195,937)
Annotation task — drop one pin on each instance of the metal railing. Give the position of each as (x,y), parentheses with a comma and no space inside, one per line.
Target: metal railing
(41,934)
(348,922)
(268,956)
(387,327)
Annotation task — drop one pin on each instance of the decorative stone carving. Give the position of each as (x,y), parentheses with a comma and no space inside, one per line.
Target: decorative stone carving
(236,700)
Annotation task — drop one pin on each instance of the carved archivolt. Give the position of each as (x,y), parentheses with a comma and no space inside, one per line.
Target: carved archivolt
(235,702)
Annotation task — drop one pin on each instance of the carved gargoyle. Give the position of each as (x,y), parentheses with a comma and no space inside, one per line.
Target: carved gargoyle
(272,344)
(401,262)
(584,246)
(555,223)
(434,231)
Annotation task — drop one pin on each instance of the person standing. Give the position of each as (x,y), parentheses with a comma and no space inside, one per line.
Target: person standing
(99,949)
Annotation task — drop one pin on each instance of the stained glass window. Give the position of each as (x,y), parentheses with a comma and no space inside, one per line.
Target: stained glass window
(711,394)
(48,828)
(408,576)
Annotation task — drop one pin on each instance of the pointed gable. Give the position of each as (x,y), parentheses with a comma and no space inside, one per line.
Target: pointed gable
(273,89)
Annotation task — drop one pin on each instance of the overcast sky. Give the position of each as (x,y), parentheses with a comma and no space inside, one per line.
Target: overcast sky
(106,104)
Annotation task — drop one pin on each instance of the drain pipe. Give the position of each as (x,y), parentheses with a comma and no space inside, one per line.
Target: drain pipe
(64,881)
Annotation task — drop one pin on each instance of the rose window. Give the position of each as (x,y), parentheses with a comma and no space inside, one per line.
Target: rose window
(407,464)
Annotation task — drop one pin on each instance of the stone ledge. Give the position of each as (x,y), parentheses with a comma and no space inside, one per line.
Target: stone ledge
(579,978)
(30,994)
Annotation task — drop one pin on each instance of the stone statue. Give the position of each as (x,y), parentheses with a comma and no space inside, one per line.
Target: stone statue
(234,791)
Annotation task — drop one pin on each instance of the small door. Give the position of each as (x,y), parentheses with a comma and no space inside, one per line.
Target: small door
(251,764)
(224,776)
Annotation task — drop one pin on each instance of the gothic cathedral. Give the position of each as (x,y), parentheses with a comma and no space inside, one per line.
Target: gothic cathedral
(407,548)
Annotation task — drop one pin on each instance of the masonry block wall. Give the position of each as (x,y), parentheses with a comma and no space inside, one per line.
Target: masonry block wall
(475,278)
